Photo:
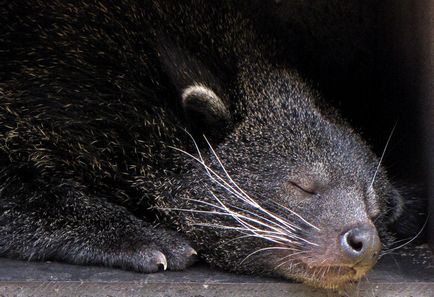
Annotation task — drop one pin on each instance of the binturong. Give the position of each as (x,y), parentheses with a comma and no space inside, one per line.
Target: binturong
(145,134)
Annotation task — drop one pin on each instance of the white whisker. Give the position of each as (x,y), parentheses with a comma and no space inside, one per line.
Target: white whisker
(227,214)
(262,250)
(277,229)
(249,200)
(288,256)
(382,156)
(268,238)
(281,228)
(224,184)
(247,225)
(252,235)
(408,242)
(253,202)
(299,216)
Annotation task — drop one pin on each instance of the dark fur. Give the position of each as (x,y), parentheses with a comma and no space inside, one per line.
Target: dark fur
(90,112)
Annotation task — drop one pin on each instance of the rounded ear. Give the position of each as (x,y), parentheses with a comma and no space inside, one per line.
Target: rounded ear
(205,111)
(409,215)
(396,204)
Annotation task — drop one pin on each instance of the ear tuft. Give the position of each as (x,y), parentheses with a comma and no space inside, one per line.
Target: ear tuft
(204,109)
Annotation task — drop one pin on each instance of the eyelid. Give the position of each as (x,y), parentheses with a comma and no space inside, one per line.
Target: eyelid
(297,185)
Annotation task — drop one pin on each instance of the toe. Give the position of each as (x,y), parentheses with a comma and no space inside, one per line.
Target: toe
(181,258)
(160,260)
(149,260)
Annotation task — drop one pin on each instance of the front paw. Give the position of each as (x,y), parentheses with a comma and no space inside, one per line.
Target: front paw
(177,250)
(163,250)
(145,259)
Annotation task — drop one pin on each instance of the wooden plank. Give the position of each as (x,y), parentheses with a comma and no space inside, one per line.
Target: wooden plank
(407,273)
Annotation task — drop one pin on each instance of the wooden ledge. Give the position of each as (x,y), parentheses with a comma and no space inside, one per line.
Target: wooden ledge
(407,273)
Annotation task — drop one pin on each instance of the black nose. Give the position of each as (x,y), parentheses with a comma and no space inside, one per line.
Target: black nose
(361,242)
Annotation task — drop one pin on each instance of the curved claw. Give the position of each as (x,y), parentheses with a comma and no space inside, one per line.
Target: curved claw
(191,252)
(161,260)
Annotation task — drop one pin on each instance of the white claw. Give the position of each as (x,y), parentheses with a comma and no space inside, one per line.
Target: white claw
(161,260)
(191,252)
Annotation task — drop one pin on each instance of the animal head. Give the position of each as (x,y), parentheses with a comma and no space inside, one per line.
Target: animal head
(291,190)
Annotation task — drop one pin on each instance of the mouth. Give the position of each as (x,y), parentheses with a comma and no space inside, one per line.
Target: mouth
(331,276)
(328,276)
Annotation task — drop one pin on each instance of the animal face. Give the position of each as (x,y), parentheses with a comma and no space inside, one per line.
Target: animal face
(289,192)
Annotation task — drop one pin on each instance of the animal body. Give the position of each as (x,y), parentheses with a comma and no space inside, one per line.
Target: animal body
(115,116)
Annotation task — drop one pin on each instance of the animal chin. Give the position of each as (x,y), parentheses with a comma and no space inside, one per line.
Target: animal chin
(330,277)
(327,276)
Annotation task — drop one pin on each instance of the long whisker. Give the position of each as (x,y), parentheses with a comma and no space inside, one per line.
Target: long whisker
(246,196)
(278,230)
(247,225)
(271,238)
(280,227)
(250,200)
(408,242)
(262,250)
(251,235)
(245,217)
(233,191)
(278,222)
(207,168)
(399,241)
(296,214)
(230,189)
(239,209)
(221,182)
(228,176)
(382,156)
(290,234)
(285,261)
(212,212)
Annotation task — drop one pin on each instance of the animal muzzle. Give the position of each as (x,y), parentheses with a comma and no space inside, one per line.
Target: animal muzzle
(360,245)
(340,255)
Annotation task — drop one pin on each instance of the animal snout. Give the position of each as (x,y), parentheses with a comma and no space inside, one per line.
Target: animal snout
(360,243)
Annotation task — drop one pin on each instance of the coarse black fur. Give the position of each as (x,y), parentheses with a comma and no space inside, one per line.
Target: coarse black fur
(95,115)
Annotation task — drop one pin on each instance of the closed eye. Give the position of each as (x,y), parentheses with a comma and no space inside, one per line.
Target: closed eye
(303,189)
